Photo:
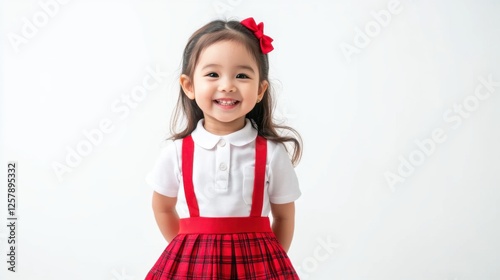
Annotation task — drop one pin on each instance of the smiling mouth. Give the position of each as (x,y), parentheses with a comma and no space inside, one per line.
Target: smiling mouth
(225,102)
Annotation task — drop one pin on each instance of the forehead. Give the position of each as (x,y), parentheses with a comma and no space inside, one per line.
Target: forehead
(226,53)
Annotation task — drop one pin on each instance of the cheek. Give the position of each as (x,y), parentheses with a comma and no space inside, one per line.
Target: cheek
(252,90)
(200,86)
(203,89)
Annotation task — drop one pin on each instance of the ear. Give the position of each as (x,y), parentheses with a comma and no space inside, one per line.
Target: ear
(187,86)
(262,89)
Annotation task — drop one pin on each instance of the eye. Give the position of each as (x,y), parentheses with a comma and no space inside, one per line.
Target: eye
(242,76)
(212,75)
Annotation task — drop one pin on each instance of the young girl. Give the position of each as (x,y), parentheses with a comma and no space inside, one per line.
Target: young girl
(227,167)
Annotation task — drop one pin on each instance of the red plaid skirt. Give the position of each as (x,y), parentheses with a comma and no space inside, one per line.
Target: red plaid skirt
(246,256)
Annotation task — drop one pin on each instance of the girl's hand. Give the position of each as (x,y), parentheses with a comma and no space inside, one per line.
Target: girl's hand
(166,216)
(283,223)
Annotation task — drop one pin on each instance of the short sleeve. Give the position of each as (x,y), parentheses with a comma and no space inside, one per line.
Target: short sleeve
(283,182)
(164,178)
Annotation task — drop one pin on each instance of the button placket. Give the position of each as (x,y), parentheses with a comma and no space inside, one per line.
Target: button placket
(223,154)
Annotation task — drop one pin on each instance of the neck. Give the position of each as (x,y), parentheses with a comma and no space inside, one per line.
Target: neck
(219,128)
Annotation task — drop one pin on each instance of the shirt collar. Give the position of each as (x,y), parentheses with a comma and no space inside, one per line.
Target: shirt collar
(208,140)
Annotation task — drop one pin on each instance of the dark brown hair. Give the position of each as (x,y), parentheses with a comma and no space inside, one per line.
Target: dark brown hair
(261,115)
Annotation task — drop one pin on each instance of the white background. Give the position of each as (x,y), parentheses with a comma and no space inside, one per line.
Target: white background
(360,115)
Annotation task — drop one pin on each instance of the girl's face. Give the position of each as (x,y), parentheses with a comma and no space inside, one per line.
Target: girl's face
(225,85)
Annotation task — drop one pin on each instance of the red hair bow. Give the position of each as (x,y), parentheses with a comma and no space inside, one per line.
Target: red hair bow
(258,31)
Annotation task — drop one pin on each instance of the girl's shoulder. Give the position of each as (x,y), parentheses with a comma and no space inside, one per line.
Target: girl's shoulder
(171,147)
(276,150)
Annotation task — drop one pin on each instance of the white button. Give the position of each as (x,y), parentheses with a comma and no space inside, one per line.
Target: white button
(222,166)
(222,143)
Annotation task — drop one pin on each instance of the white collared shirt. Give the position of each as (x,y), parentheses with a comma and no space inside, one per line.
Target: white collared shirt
(223,173)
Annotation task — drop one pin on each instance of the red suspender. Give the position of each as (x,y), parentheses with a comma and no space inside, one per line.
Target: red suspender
(187,176)
(259,177)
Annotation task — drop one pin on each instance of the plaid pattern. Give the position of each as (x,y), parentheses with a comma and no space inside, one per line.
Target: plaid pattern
(249,256)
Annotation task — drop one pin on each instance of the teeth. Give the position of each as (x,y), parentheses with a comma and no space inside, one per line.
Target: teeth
(226,103)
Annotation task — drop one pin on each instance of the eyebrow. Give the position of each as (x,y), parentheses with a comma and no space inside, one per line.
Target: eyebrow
(247,67)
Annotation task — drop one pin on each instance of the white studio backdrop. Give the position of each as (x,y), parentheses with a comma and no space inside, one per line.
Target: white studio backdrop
(397,101)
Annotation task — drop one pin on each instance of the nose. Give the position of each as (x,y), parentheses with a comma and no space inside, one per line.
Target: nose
(226,85)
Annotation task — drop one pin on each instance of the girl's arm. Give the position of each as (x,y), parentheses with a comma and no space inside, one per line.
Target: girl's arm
(283,223)
(166,215)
